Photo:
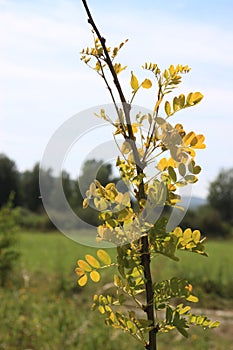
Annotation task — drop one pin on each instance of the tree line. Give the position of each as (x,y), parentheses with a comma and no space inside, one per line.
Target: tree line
(215,218)
(26,189)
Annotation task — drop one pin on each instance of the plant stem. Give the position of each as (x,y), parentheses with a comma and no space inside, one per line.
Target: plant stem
(145,252)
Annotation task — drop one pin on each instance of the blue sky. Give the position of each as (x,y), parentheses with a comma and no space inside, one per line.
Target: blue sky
(43,82)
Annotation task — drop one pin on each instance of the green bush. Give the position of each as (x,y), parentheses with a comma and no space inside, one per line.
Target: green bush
(28,220)
(8,252)
(208,220)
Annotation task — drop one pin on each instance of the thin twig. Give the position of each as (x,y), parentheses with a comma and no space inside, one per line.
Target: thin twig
(145,251)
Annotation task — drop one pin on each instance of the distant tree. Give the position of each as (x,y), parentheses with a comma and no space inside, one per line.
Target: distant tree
(30,189)
(68,186)
(208,220)
(221,194)
(9,180)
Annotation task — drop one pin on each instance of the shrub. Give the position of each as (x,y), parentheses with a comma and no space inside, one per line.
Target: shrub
(8,253)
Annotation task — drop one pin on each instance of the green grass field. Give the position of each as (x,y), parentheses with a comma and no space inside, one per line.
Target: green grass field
(43,308)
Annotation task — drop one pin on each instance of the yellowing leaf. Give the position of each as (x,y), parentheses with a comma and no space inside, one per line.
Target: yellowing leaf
(110,186)
(79,271)
(162,164)
(92,261)
(134,82)
(184,310)
(104,257)
(123,199)
(189,287)
(84,265)
(196,236)
(141,152)
(118,68)
(146,84)
(126,147)
(171,162)
(100,204)
(192,298)
(193,98)
(135,127)
(101,309)
(196,97)
(178,232)
(172,69)
(125,214)
(97,66)
(187,234)
(167,108)
(95,276)
(85,203)
(187,139)
(182,100)
(82,280)
(176,104)
(197,142)
(92,188)
(131,158)
(214,324)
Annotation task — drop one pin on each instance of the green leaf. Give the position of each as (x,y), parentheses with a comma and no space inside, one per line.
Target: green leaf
(131,326)
(160,120)
(182,331)
(168,315)
(182,169)
(196,169)
(172,173)
(191,178)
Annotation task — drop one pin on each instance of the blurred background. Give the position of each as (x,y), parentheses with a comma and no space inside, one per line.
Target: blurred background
(42,84)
